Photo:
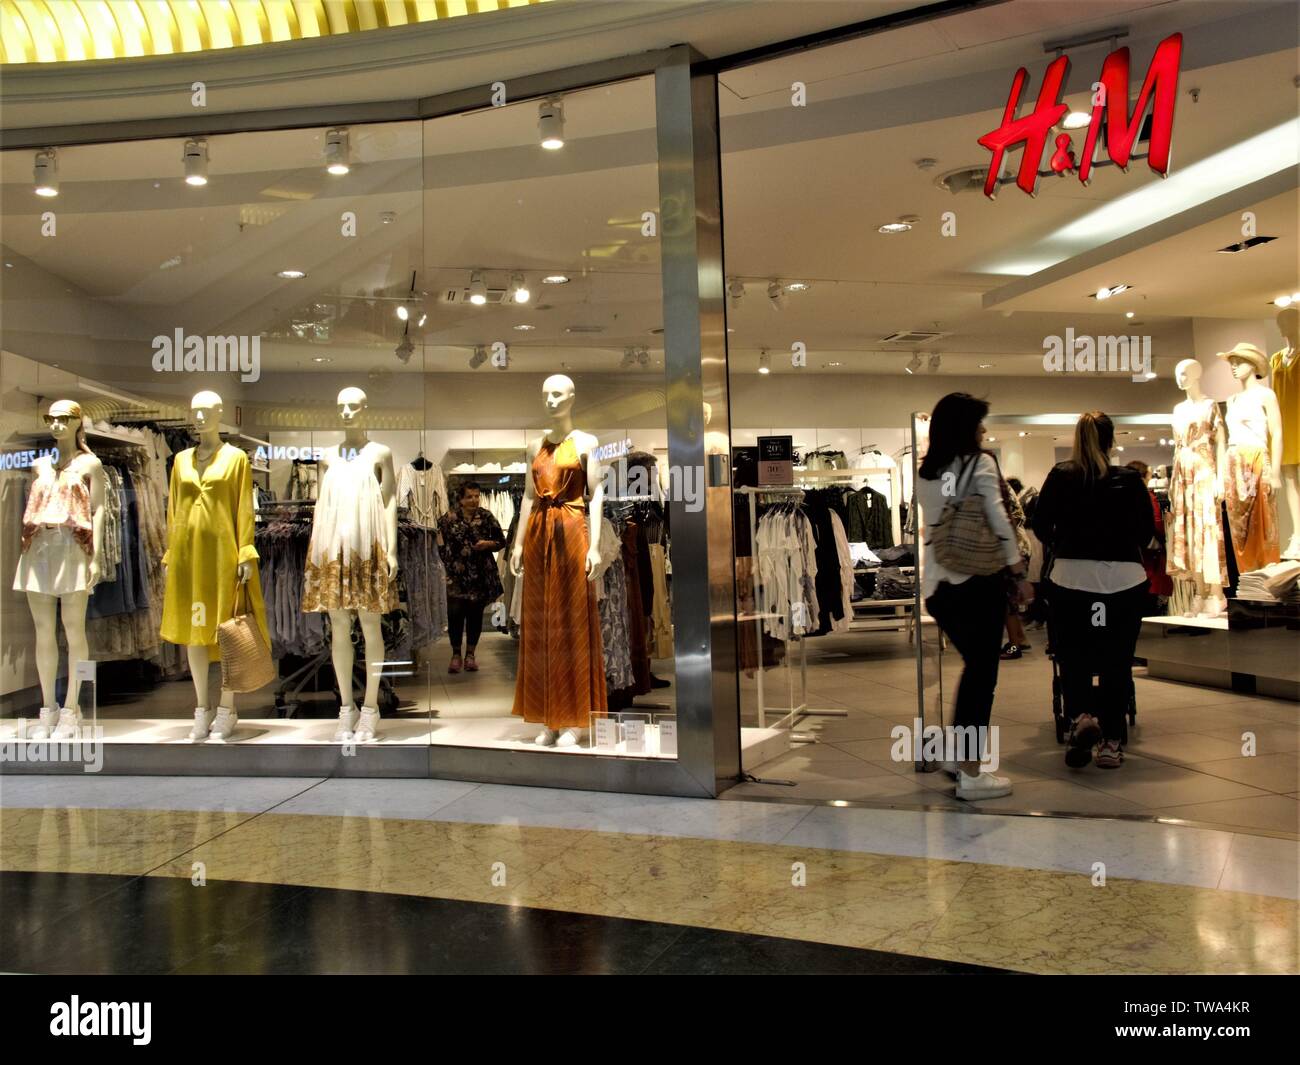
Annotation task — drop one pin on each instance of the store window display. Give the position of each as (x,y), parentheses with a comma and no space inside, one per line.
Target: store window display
(62,543)
(210,553)
(352,558)
(1285,367)
(1254,468)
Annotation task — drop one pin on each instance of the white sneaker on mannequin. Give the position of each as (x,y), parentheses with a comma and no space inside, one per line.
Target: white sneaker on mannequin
(570,737)
(347,724)
(368,726)
(44,725)
(545,738)
(223,725)
(202,724)
(1292,551)
(69,726)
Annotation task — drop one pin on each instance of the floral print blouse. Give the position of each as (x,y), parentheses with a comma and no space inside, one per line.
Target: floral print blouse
(470,574)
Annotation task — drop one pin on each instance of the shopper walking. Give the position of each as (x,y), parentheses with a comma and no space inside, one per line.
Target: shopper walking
(1159,584)
(1095,519)
(970,609)
(468,536)
(1017,643)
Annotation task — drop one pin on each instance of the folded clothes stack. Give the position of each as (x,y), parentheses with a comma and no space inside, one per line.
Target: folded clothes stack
(893,583)
(1276,583)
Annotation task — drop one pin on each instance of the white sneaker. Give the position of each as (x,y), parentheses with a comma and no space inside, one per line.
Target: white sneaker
(69,725)
(984,786)
(367,726)
(950,768)
(44,725)
(570,737)
(545,738)
(347,723)
(223,725)
(202,725)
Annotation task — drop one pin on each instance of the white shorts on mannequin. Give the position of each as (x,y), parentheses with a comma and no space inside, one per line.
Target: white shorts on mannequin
(53,564)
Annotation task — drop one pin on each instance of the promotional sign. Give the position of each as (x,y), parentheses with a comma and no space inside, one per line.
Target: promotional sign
(1109,107)
(775,461)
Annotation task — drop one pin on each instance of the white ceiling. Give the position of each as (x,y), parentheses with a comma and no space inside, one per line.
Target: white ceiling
(805,189)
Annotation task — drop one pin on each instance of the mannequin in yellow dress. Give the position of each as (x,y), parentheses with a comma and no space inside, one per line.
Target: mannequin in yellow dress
(209,552)
(1285,367)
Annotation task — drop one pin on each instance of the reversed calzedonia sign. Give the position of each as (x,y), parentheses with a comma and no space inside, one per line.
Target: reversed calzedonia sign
(1110,108)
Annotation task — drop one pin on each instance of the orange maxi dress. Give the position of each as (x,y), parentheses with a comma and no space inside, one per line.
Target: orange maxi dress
(560,681)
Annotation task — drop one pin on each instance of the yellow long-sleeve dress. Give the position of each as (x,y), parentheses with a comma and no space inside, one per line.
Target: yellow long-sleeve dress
(209,533)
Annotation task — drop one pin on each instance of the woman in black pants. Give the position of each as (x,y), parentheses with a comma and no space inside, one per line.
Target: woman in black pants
(1095,518)
(971,610)
(468,536)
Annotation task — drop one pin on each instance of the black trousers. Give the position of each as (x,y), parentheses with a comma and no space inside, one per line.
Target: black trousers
(465,617)
(1095,634)
(971,615)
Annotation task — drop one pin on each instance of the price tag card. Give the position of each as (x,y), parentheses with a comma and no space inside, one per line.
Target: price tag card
(668,736)
(634,733)
(606,732)
(85,671)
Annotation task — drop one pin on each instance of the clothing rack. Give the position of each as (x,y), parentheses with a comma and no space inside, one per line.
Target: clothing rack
(895,487)
(799,708)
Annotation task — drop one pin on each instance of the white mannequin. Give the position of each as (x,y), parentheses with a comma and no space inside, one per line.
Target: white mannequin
(206,409)
(1208,600)
(1257,399)
(1288,322)
(65,426)
(558,399)
(352,404)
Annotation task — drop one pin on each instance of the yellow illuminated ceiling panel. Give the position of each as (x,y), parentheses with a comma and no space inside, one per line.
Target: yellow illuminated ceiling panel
(58,31)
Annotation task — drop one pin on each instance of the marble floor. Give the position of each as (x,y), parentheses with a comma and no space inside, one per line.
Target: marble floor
(1184,760)
(990,890)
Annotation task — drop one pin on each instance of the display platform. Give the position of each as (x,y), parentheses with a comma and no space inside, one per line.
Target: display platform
(1251,651)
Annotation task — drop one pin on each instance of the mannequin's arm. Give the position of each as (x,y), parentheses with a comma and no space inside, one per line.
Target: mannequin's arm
(525,511)
(595,508)
(244,523)
(1220,453)
(96,520)
(388,493)
(1273,411)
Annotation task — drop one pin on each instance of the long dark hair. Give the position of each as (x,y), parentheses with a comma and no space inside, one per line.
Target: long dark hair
(1093,437)
(954,432)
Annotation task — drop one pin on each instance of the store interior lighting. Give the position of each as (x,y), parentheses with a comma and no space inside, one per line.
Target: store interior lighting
(477,289)
(195,160)
(913,364)
(764,362)
(776,295)
(405,349)
(550,125)
(519,291)
(478,358)
(555,279)
(935,360)
(1076,120)
(336,152)
(45,174)
(735,291)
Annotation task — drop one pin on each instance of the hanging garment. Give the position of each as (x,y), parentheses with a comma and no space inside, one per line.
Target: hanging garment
(1286,385)
(560,680)
(303,479)
(842,623)
(1252,508)
(471,574)
(661,615)
(347,565)
(1194,534)
(209,532)
(614,637)
(870,520)
(423,492)
(787,572)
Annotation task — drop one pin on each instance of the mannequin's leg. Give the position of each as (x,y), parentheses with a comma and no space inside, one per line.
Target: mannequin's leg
(1291,500)
(44,610)
(200,659)
(73,608)
(372,631)
(1215,603)
(342,653)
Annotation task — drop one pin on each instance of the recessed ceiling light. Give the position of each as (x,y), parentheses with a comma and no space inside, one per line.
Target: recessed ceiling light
(894,227)
(834,364)
(1129,314)
(524,327)
(1141,437)
(991,439)
(1105,293)
(1150,375)
(987,365)
(321,358)
(1076,120)
(1281,301)
(796,286)
(555,279)
(291,275)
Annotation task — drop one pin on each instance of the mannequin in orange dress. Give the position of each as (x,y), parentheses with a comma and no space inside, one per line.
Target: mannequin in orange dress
(560,681)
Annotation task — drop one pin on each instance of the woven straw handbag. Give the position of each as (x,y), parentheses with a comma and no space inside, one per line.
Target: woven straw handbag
(246,663)
(962,539)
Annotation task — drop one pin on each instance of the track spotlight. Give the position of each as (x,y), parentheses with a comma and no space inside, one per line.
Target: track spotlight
(336,152)
(643,357)
(423,318)
(45,172)
(764,362)
(776,295)
(195,158)
(914,364)
(935,359)
(405,349)
(503,360)
(550,125)
(629,358)
(736,291)
(477,289)
(519,292)
(478,358)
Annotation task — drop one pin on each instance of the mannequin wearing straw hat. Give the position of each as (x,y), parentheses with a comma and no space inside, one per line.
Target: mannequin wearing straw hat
(63,533)
(1254,472)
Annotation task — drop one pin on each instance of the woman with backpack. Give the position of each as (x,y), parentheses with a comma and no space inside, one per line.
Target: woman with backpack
(1095,519)
(969,545)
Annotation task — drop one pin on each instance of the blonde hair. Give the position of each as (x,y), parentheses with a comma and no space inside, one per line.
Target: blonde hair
(1093,436)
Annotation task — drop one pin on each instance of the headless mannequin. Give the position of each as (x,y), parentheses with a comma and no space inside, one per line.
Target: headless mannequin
(1289,324)
(558,399)
(1257,397)
(363,727)
(206,409)
(65,427)
(1208,599)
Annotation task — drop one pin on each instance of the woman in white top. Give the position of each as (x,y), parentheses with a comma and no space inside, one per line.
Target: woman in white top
(969,609)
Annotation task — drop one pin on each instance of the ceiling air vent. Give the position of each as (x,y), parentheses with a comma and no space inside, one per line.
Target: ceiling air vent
(584,329)
(1246,245)
(461,295)
(912,337)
